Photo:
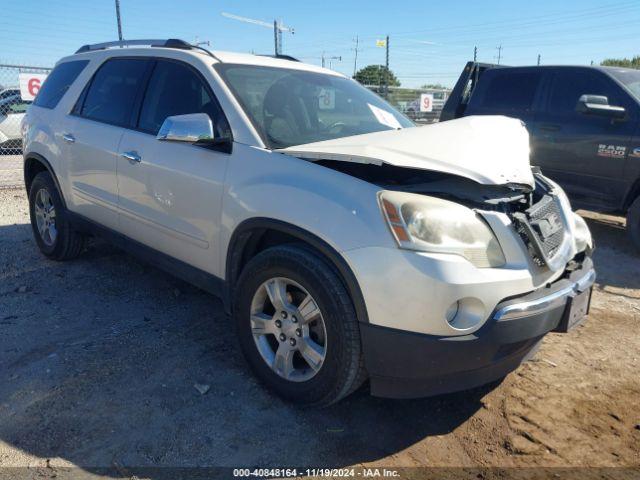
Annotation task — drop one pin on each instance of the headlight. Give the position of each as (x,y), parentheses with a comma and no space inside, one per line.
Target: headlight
(434,225)
(583,238)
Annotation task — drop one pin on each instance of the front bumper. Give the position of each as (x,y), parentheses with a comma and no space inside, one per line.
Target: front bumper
(403,364)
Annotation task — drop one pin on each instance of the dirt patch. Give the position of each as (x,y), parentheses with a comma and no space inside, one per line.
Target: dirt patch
(99,358)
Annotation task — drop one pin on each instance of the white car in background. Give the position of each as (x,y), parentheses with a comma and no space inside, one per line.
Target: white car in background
(12,110)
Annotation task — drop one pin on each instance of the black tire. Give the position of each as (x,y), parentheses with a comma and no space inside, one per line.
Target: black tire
(343,369)
(68,243)
(633,223)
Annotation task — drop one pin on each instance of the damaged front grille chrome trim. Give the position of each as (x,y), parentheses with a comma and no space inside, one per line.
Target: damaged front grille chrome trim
(558,258)
(544,304)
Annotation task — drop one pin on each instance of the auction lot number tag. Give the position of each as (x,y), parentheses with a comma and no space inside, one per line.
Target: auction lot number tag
(426,102)
(30,84)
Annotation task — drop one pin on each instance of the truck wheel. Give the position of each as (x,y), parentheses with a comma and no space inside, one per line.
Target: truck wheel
(633,223)
(297,326)
(54,235)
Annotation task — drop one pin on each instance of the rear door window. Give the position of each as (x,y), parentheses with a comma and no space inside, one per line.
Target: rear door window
(111,95)
(510,91)
(58,82)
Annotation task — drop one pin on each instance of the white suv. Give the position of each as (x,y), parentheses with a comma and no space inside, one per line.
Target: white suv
(347,243)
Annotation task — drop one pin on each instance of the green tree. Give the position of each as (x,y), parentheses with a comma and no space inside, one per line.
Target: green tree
(433,86)
(375,75)
(622,62)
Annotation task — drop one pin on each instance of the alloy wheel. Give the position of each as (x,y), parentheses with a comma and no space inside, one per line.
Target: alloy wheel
(288,329)
(45,213)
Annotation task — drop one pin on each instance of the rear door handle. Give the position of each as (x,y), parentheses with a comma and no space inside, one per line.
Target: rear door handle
(131,156)
(69,138)
(550,128)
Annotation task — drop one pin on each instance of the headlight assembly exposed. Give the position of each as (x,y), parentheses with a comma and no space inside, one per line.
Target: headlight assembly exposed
(431,224)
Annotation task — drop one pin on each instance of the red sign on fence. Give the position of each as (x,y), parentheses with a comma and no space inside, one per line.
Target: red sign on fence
(30,84)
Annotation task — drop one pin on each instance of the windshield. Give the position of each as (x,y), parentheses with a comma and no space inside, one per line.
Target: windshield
(293,107)
(629,78)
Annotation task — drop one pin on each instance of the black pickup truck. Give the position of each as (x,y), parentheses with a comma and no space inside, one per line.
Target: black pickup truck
(584,124)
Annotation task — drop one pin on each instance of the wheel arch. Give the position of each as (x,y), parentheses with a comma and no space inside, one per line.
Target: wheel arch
(632,194)
(256,234)
(35,163)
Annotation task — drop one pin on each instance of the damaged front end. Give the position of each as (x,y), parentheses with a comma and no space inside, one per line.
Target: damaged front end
(541,216)
(481,163)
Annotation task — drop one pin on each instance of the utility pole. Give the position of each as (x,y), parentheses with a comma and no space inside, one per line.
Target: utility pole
(355,60)
(386,72)
(330,58)
(475,54)
(118,20)
(277,26)
(499,53)
(538,59)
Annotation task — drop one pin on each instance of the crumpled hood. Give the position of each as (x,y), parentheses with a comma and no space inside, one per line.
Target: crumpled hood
(491,150)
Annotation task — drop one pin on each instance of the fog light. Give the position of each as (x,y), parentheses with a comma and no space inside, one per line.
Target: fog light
(465,314)
(452,311)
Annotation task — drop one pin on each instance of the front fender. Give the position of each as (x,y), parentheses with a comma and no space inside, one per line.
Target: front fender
(339,209)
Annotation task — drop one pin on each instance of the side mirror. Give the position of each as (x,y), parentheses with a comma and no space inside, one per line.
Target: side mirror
(191,128)
(599,105)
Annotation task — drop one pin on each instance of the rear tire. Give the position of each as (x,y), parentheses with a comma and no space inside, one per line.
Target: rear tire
(336,368)
(52,229)
(633,223)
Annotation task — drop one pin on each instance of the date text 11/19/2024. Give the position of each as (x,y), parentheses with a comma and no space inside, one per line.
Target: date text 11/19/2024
(316,472)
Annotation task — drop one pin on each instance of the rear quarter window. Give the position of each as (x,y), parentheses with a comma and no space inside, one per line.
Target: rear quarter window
(58,82)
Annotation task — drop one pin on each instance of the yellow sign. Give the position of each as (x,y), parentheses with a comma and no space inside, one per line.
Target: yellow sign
(381,43)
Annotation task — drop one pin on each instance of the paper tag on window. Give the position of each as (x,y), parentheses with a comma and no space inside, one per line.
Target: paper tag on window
(327,99)
(384,117)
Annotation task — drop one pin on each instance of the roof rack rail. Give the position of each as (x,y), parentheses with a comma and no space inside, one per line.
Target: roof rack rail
(170,43)
(166,43)
(280,56)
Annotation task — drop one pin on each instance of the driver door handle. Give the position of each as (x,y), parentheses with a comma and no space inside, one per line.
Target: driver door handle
(69,138)
(132,156)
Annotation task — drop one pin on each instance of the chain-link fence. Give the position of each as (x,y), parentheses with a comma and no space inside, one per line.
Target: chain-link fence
(13,106)
(422,105)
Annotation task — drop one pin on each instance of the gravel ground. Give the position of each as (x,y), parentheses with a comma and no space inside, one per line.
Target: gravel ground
(99,358)
(11,171)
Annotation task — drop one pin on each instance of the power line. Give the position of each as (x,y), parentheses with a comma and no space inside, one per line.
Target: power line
(498,26)
(557,18)
(278,28)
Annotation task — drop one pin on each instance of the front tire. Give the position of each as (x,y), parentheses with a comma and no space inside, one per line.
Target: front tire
(52,230)
(297,326)
(633,223)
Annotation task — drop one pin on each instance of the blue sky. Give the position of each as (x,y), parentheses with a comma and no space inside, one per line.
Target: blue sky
(430,41)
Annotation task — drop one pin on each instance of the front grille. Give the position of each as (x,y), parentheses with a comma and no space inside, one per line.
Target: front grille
(542,228)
